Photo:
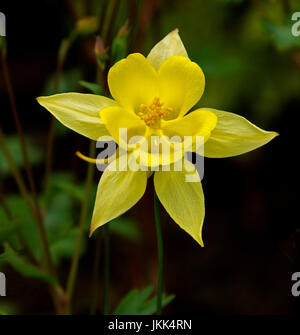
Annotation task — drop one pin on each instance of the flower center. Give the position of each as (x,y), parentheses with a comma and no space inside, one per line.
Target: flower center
(153,113)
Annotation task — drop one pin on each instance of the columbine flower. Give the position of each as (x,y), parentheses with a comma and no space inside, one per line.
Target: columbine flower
(152,96)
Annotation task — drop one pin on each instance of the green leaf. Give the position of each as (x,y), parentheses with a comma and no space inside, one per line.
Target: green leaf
(21,265)
(59,218)
(217,62)
(76,191)
(7,231)
(126,228)
(64,246)
(35,154)
(282,35)
(63,181)
(62,236)
(27,226)
(119,47)
(139,302)
(68,82)
(93,87)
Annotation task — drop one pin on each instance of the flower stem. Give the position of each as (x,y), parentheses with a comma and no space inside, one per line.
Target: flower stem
(106,286)
(61,57)
(81,226)
(110,11)
(15,171)
(36,207)
(56,292)
(96,267)
(160,255)
(136,26)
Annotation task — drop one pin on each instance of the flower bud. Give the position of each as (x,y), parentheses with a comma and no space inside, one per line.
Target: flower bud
(100,52)
(87,25)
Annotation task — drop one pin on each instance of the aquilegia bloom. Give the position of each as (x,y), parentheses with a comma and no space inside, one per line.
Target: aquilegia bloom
(152,96)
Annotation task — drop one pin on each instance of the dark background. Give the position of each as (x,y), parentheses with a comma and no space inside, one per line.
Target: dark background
(251,245)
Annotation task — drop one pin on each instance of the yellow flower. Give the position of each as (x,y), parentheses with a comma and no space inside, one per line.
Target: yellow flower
(152,96)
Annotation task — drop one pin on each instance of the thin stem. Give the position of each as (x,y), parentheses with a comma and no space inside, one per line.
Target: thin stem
(106,286)
(56,292)
(111,31)
(286,6)
(61,57)
(82,221)
(51,132)
(111,7)
(37,212)
(15,171)
(136,26)
(95,287)
(160,255)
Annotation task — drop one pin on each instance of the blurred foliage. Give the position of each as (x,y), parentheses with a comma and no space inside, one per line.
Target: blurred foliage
(94,88)
(126,228)
(244,48)
(281,36)
(251,62)
(35,155)
(21,265)
(69,81)
(139,302)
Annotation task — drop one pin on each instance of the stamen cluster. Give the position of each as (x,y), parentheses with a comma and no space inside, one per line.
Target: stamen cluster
(153,113)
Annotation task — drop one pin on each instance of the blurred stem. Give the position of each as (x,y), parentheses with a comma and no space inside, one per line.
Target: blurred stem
(95,287)
(37,212)
(81,227)
(61,57)
(111,31)
(56,292)
(106,286)
(136,26)
(112,5)
(103,13)
(15,171)
(160,255)
(286,6)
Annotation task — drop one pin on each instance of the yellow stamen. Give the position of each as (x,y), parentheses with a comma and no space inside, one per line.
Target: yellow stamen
(91,160)
(153,113)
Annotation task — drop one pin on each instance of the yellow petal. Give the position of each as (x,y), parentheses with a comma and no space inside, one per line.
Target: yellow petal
(184,134)
(133,81)
(117,192)
(79,112)
(234,135)
(156,151)
(181,84)
(116,118)
(184,201)
(197,123)
(169,46)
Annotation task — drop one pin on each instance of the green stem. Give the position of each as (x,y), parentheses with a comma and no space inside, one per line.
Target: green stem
(37,211)
(96,267)
(56,292)
(15,171)
(287,6)
(136,26)
(81,228)
(62,54)
(109,12)
(160,255)
(106,286)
